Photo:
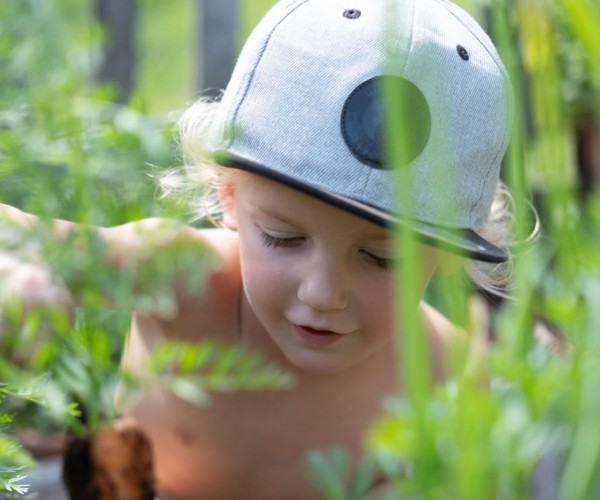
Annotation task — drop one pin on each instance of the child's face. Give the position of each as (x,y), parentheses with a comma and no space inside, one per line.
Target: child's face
(318,279)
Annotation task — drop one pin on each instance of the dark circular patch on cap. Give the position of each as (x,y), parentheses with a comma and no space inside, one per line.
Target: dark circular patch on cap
(363,120)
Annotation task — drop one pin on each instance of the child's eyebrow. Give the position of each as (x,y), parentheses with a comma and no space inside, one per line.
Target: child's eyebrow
(372,238)
(378,240)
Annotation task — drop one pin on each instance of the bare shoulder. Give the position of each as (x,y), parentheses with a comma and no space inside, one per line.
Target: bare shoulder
(148,235)
(156,229)
(216,250)
(211,313)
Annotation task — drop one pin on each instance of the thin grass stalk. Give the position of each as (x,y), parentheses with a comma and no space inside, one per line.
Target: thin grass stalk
(583,17)
(582,467)
(515,337)
(411,343)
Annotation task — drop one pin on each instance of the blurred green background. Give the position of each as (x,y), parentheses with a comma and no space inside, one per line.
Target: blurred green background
(75,146)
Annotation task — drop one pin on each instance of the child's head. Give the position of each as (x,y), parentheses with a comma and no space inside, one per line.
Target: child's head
(305,108)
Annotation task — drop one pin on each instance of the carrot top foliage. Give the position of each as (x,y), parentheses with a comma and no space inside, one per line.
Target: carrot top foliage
(506,407)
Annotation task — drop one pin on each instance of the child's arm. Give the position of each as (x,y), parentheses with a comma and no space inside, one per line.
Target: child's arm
(26,288)
(138,264)
(12,219)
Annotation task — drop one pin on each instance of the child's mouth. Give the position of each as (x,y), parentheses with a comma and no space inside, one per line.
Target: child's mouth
(319,338)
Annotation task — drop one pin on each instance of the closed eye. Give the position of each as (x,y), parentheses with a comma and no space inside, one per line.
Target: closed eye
(275,241)
(381,262)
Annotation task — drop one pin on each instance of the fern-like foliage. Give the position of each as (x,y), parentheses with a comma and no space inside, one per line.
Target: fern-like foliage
(14,460)
(193,370)
(339,477)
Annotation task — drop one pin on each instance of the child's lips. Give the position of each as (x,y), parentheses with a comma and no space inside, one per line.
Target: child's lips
(320,338)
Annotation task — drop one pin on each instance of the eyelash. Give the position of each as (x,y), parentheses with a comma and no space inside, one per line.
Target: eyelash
(381,262)
(275,242)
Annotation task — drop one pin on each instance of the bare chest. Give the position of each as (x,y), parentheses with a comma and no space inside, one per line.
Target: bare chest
(249,445)
(252,445)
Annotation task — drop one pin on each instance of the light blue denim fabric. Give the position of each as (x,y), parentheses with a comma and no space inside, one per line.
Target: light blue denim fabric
(282,108)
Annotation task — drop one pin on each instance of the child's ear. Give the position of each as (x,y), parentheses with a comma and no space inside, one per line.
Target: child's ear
(226,192)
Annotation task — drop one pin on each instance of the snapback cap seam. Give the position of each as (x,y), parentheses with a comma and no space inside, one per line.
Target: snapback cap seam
(500,66)
(401,72)
(258,61)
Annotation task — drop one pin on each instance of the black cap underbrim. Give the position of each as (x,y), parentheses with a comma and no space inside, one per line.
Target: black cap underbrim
(459,241)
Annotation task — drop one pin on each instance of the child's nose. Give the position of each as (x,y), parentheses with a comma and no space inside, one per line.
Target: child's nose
(325,287)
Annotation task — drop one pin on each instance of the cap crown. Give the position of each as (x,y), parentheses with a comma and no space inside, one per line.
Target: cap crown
(284,106)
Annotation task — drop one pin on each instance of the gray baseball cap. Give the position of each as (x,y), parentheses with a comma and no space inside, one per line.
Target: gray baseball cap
(310,96)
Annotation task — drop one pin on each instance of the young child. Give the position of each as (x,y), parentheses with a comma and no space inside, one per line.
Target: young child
(304,190)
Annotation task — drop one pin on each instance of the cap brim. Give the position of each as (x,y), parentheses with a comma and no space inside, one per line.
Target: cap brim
(459,241)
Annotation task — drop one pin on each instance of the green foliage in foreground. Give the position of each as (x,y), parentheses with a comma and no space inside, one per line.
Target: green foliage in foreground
(66,151)
(14,462)
(511,408)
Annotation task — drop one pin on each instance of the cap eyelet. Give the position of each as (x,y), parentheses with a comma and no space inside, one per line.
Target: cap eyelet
(462,52)
(352,13)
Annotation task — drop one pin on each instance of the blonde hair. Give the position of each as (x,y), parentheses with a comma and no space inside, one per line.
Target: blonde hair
(195,186)
(498,230)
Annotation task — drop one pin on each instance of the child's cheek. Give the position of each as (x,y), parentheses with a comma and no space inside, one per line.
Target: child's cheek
(268,276)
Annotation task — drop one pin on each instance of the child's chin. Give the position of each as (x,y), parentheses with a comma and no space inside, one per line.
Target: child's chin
(323,363)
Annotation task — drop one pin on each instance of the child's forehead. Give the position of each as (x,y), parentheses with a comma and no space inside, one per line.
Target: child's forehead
(277,202)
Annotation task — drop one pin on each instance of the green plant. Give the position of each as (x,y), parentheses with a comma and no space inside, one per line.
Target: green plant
(66,151)
(509,405)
